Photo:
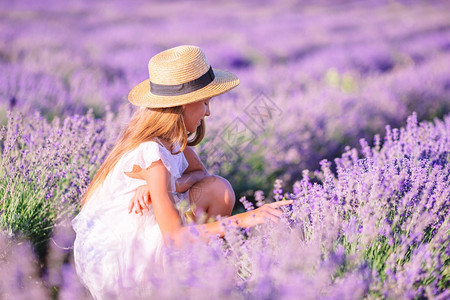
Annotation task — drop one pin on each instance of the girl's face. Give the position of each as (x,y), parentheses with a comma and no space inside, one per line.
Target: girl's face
(193,113)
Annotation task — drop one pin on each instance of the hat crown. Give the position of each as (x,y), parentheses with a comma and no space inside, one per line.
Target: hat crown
(177,65)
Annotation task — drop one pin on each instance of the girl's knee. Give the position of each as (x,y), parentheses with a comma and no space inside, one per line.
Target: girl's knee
(213,194)
(223,189)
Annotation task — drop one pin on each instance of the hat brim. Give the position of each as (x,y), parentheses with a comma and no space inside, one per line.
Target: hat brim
(223,81)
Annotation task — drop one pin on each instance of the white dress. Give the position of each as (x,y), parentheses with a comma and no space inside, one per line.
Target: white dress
(114,250)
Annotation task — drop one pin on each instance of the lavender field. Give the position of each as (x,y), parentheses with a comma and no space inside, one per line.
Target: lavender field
(343,106)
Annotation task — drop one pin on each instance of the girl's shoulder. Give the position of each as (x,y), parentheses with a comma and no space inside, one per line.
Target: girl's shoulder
(155,141)
(157,144)
(146,152)
(149,152)
(149,143)
(154,144)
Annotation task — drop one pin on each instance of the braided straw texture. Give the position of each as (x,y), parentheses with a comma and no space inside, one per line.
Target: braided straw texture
(176,66)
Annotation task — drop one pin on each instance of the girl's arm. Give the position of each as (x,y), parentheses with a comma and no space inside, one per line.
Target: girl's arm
(187,180)
(195,164)
(243,220)
(158,179)
(195,172)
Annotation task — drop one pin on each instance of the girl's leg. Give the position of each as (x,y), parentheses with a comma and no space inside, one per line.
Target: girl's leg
(213,195)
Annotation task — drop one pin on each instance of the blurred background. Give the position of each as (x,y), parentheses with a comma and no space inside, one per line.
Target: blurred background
(336,71)
(315,78)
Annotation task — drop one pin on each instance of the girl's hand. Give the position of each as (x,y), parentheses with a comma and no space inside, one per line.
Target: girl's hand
(140,201)
(263,214)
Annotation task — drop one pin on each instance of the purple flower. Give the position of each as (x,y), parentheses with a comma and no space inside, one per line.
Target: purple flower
(278,190)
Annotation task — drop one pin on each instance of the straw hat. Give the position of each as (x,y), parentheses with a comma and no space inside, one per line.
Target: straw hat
(180,75)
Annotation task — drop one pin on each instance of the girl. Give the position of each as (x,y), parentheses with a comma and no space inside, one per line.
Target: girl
(152,165)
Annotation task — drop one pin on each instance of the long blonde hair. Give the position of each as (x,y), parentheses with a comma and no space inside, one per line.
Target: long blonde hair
(146,124)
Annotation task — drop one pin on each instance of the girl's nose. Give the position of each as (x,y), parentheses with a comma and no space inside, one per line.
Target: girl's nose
(208,112)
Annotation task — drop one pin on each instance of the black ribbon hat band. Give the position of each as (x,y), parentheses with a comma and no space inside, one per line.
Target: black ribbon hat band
(184,88)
